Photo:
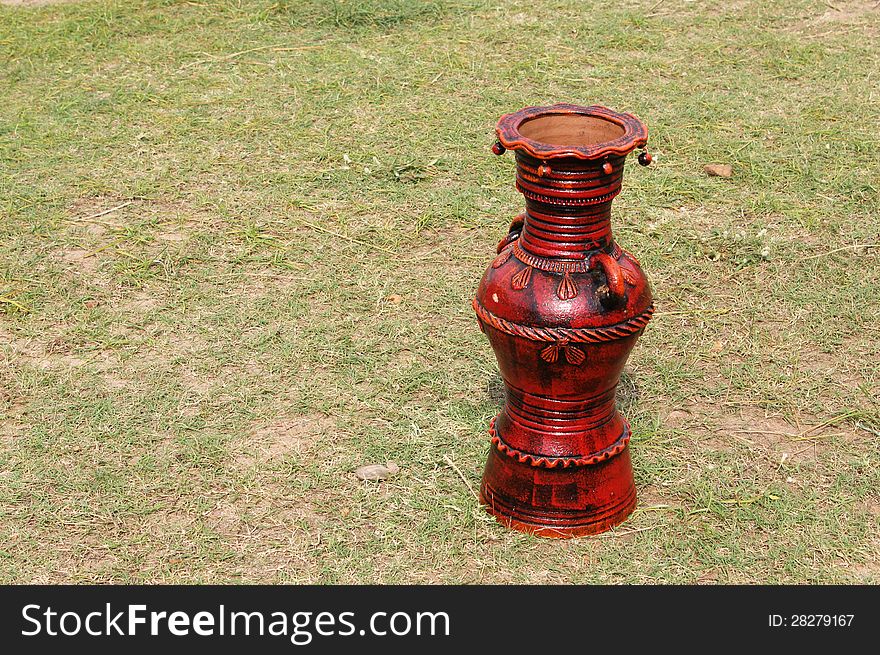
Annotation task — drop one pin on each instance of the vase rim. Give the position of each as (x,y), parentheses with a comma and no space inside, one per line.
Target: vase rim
(566,130)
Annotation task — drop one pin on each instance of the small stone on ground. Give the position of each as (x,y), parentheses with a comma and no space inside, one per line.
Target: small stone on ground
(718,170)
(377,471)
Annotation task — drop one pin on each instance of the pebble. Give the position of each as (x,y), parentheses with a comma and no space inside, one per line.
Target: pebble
(377,471)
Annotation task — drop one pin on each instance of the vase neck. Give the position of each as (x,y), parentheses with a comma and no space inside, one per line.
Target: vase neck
(568,204)
(567,236)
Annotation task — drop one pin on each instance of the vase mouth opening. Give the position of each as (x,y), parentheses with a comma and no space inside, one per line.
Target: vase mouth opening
(564,130)
(571,130)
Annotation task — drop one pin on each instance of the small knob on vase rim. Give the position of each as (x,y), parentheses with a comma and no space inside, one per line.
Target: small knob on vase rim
(498,149)
(645,158)
(543,170)
(607,168)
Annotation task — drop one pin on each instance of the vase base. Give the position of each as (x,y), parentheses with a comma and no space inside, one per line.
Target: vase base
(558,504)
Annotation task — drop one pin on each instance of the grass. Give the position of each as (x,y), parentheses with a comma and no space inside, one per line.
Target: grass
(303,201)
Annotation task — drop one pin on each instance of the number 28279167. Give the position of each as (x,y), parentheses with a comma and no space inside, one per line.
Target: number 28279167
(810,620)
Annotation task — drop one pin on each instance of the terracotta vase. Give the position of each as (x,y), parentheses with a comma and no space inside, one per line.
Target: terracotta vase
(563,306)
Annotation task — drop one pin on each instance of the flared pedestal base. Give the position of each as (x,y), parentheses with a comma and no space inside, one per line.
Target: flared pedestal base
(558,502)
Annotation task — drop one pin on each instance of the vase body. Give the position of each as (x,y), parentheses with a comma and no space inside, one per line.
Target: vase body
(563,305)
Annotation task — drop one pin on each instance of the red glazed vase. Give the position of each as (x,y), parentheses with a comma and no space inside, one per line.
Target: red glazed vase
(563,306)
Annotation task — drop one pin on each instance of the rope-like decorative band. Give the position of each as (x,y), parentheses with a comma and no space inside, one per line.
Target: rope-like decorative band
(549,265)
(543,461)
(568,335)
(556,200)
(556,265)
